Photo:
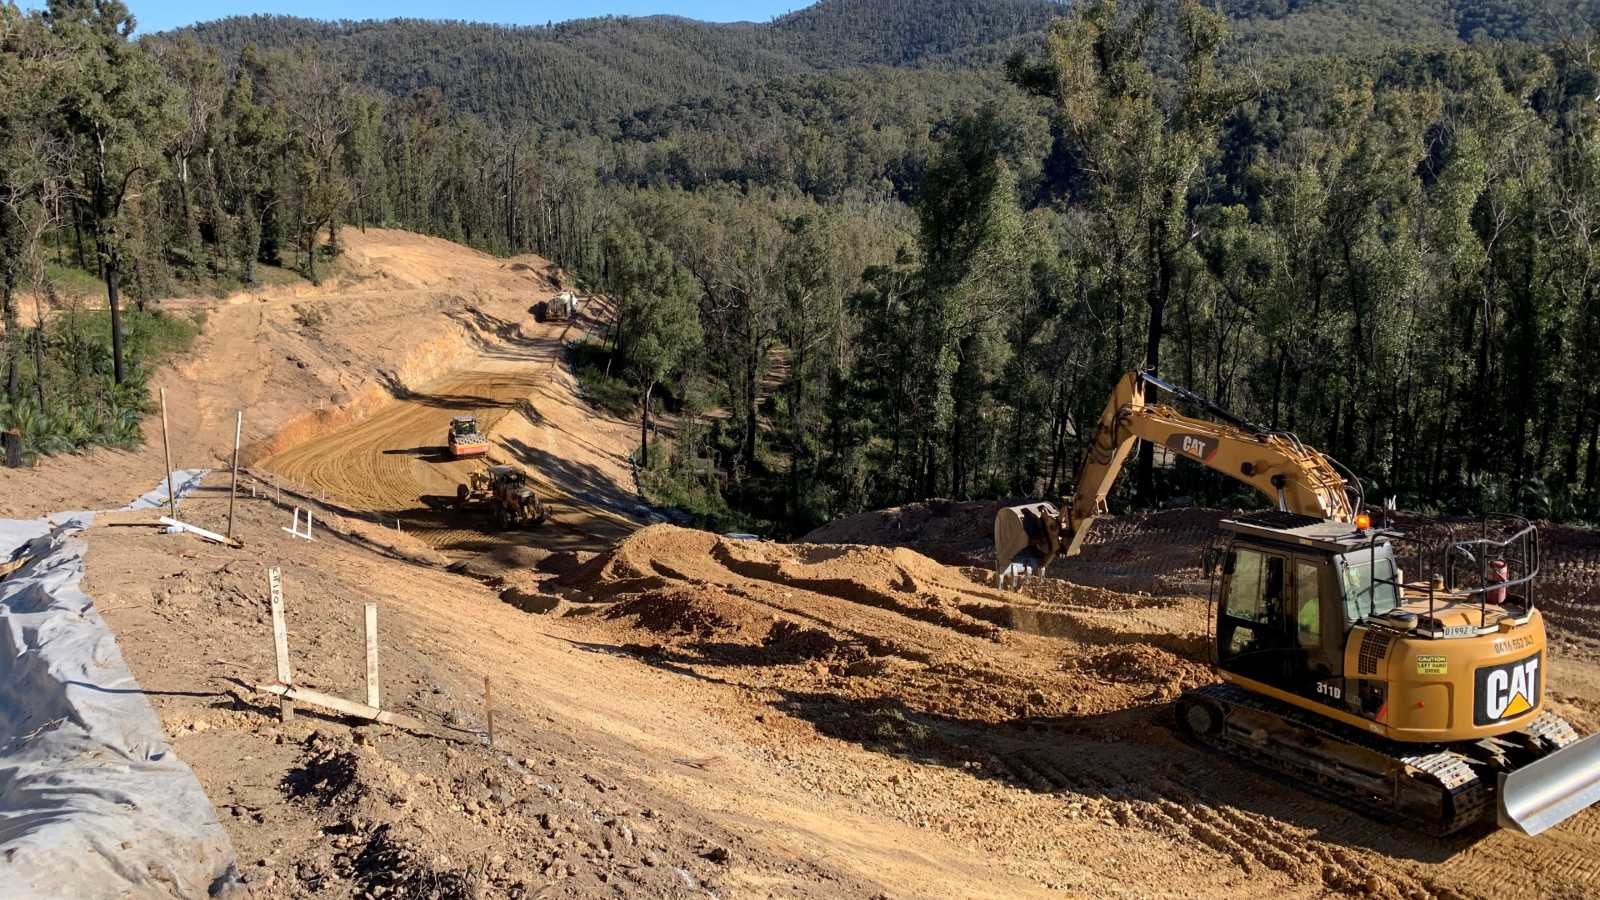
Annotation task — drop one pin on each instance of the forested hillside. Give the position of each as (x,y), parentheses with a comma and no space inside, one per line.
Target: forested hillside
(588,70)
(877,250)
(577,73)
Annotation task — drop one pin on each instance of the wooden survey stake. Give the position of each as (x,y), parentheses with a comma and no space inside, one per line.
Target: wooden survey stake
(372,656)
(488,710)
(166,448)
(233,487)
(280,640)
(346,707)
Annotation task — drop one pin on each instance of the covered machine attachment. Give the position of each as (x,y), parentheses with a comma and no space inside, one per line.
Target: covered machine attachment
(1545,793)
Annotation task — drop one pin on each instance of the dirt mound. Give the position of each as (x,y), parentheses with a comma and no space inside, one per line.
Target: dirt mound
(1060,592)
(564,562)
(889,627)
(690,611)
(896,579)
(1141,664)
(946,530)
(1156,552)
(796,641)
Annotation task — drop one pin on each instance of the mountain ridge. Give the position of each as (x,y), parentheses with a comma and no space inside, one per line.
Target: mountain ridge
(585,71)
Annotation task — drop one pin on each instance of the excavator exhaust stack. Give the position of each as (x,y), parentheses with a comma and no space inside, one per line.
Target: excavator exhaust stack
(1544,793)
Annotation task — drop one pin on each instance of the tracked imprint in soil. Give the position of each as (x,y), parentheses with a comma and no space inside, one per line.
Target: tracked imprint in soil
(395,466)
(1036,722)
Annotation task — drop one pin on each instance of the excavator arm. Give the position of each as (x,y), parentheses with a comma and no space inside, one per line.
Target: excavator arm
(1292,476)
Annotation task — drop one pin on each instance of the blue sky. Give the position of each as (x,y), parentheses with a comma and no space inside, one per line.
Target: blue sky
(159,15)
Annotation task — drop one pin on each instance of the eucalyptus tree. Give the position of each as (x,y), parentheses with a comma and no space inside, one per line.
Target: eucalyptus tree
(115,109)
(1139,143)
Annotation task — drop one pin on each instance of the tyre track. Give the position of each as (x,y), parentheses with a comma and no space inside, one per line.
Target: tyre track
(394,465)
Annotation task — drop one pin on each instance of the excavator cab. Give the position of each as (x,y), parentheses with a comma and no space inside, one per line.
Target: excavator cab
(1292,587)
(1426,697)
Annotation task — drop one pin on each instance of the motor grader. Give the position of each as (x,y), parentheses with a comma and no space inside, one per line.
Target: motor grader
(1416,694)
(504,492)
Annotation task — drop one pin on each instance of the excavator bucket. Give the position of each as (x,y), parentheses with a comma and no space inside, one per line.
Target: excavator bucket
(1545,793)
(1016,528)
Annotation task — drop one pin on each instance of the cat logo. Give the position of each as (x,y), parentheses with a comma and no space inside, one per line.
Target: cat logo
(1506,691)
(1201,448)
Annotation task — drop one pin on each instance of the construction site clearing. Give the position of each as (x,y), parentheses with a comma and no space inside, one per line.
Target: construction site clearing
(676,713)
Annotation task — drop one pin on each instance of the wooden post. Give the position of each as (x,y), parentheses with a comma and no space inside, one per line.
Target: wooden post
(372,656)
(280,640)
(12,439)
(233,487)
(488,710)
(166,447)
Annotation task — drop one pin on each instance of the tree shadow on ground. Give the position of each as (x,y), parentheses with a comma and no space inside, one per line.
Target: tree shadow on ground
(447,401)
(582,481)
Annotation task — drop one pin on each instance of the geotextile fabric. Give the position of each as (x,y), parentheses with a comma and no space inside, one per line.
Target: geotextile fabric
(93,802)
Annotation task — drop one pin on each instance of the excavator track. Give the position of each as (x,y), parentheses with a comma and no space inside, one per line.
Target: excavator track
(1438,789)
(1551,732)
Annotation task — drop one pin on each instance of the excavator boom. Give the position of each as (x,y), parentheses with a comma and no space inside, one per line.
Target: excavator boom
(1295,478)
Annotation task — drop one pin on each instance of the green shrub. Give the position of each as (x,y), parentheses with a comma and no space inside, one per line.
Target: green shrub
(83,405)
(613,395)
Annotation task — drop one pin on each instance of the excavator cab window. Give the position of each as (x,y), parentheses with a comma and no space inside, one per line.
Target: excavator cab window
(1254,625)
(1368,581)
(1256,589)
(1308,603)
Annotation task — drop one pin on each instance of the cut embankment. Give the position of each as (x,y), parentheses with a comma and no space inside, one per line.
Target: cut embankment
(391,462)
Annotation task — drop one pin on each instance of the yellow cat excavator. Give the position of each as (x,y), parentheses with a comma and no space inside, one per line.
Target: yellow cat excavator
(1422,699)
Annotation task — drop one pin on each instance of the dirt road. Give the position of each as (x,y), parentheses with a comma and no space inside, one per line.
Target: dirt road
(300,361)
(394,464)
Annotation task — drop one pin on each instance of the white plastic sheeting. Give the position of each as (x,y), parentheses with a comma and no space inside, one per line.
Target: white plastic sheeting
(184,481)
(93,802)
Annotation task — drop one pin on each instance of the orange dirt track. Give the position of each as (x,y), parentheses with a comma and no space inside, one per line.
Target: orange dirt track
(395,464)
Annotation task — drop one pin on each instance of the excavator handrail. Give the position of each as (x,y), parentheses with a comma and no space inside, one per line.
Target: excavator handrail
(1525,541)
(1527,561)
